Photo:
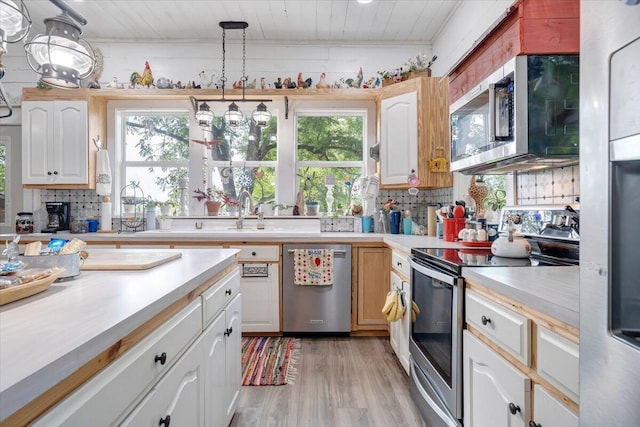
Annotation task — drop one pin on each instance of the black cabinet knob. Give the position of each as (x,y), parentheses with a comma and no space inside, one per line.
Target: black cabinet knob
(485,320)
(165,421)
(228,292)
(534,424)
(399,264)
(513,408)
(162,359)
(228,331)
(48,173)
(253,253)
(55,172)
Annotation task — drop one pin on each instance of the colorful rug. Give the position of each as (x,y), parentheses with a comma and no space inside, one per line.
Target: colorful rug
(269,360)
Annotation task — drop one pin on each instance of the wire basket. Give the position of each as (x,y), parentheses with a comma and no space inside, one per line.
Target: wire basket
(132,207)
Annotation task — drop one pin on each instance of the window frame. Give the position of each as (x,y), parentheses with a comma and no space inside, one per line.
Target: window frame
(5,141)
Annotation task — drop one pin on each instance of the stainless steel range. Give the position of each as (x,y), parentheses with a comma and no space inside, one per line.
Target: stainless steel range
(437,287)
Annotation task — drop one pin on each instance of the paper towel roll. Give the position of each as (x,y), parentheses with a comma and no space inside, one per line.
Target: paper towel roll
(105,216)
(431,220)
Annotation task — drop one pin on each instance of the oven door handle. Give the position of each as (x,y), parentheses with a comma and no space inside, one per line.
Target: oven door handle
(427,396)
(450,280)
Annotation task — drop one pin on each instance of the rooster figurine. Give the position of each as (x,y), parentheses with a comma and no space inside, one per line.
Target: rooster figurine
(146,79)
(304,83)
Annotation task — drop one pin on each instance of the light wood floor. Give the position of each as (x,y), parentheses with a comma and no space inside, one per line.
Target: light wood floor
(349,382)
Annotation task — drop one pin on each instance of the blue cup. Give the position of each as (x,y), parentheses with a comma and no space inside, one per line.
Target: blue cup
(407,223)
(92,225)
(394,221)
(367,222)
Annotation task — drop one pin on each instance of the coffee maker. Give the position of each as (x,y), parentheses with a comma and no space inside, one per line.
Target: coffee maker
(59,215)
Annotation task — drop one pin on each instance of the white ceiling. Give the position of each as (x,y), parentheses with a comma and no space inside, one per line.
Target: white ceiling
(326,21)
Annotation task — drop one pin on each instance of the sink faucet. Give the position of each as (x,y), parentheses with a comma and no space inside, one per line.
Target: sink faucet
(244,195)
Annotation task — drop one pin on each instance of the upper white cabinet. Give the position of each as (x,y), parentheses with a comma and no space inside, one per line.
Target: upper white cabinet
(399,138)
(55,149)
(414,133)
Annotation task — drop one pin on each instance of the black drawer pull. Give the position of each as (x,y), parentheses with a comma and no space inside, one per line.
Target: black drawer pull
(228,331)
(513,408)
(399,264)
(162,359)
(253,253)
(534,424)
(165,421)
(228,292)
(485,320)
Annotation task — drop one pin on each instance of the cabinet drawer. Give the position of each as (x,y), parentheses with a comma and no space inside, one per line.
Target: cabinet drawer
(558,362)
(510,330)
(258,253)
(549,411)
(104,398)
(216,297)
(399,263)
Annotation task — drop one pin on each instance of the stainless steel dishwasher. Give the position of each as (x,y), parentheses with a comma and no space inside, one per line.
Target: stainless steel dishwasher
(317,309)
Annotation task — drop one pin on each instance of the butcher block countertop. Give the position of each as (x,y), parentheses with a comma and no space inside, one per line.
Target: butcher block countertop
(48,336)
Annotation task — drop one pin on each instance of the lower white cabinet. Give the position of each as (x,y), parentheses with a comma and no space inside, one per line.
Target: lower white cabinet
(496,394)
(549,411)
(178,375)
(401,329)
(261,298)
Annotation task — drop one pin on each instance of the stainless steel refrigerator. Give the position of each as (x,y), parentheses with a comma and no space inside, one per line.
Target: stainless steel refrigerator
(610,213)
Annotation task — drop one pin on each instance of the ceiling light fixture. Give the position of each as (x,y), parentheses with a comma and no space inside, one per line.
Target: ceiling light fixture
(15,23)
(233,115)
(60,56)
(365,1)
(204,116)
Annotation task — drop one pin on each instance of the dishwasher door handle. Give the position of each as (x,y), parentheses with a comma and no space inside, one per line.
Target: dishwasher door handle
(335,251)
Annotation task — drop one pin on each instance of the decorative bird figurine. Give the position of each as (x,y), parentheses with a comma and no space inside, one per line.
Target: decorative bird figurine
(304,83)
(358,80)
(147,75)
(322,84)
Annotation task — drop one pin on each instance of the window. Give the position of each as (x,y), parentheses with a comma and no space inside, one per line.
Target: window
(330,156)
(4,177)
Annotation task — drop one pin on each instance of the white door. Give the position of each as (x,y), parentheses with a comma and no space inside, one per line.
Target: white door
(177,399)
(70,159)
(398,138)
(233,315)
(549,411)
(37,136)
(261,300)
(496,394)
(215,373)
(400,331)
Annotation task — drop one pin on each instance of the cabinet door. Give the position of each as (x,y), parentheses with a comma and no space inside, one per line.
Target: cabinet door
(178,398)
(233,354)
(496,394)
(37,138)
(373,273)
(398,138)
(399,330)
(70,159)
(261,298)
(215,409)
(549,411)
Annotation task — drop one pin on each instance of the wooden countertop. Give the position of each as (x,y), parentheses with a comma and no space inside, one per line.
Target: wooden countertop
(47,337)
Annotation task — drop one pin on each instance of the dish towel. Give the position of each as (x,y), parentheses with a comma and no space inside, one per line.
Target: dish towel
(103,173)
(313,267)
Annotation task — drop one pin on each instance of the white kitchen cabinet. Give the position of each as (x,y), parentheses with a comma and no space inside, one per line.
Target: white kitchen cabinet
(260,287)
(414,133)
(398,138)
(558,362)
(55,148)
(401,329)
(233,357)
(178,399)
(549,411)
(496,394)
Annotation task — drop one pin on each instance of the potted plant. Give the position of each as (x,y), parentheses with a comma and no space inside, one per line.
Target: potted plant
(211,199)
(309,189)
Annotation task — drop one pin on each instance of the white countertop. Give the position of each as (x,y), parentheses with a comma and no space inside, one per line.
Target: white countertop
(46,337)
(552,290)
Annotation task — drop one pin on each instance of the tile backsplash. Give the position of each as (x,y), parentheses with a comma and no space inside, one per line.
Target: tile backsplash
(549,186)
(83,202)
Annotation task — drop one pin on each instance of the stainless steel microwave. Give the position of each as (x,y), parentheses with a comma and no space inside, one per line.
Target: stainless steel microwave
(523,116)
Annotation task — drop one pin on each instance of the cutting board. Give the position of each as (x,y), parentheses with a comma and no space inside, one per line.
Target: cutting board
(123,260)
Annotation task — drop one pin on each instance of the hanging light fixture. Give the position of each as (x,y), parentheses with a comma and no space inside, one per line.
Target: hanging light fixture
(204,116)
(233,115)
(15,22)
(59,55)
(261,115)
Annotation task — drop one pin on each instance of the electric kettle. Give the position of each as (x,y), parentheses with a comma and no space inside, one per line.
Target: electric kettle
(511,246)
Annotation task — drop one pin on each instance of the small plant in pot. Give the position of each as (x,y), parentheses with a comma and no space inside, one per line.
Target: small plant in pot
(211,200)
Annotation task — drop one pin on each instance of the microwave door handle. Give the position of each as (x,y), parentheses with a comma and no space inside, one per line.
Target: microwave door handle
(492,112)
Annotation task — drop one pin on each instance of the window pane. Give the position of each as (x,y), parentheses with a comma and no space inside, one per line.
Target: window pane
(157,137)
(312,182)
(259,181)
(158,183)
(330,138)
(246,141)
(3,191)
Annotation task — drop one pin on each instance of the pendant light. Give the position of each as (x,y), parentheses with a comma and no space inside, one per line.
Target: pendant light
(232,115)
(204,116)
(59,55)
(15,22)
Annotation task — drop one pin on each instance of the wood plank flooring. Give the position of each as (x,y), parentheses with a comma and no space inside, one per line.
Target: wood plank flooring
(341,382)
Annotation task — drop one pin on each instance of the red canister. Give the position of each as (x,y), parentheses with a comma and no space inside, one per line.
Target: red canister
(452,227)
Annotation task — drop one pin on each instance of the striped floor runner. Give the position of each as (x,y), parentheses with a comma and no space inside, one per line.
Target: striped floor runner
(269,360)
